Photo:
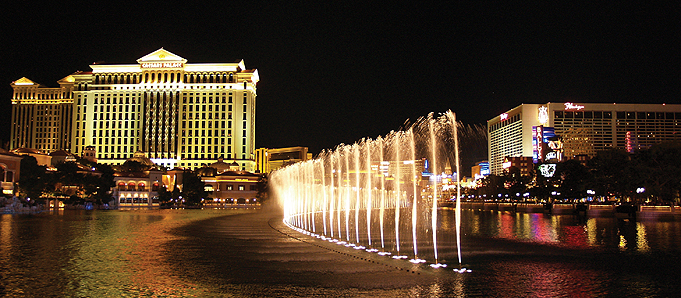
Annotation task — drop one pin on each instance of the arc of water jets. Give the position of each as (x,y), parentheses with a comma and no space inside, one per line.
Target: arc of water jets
(299,189)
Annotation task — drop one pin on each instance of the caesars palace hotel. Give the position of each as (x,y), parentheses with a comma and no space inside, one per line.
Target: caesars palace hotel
(180,114)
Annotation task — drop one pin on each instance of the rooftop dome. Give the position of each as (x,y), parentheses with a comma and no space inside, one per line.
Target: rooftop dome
(141,157)
(220,165)
(60,153)
(26,151)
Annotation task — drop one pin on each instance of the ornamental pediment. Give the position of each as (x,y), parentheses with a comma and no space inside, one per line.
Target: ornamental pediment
(67,79)
(161,56)
(24,81)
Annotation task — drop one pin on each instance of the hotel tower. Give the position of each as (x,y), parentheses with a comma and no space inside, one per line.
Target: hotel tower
(180,114)
(584,129)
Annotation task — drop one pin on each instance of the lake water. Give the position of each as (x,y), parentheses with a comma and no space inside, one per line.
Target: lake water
(250,253)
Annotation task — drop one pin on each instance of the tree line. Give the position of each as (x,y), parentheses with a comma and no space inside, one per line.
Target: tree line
(651,174)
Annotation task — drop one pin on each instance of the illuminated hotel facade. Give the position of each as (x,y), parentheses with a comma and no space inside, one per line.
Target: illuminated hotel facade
(180,114)
(583,128)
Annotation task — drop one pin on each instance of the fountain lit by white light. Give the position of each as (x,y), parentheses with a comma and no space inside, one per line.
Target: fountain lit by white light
(378,195)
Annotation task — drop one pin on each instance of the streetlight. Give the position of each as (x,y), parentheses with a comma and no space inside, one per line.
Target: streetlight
(641,190)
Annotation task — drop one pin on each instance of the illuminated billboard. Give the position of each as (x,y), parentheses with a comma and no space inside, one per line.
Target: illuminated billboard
(547,170)
(545,144)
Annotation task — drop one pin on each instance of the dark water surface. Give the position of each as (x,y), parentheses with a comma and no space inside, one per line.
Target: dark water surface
(250,253)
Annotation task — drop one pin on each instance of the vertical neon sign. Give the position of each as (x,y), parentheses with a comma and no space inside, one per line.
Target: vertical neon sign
(537,144)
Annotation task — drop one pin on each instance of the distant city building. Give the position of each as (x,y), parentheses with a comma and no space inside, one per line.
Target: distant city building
(579,129)
(522,163)
(41,158)
(480,170)
(261,160)
(273,159)
(181,114)
(61,156)
(9,171)
(230,188)
(137,189)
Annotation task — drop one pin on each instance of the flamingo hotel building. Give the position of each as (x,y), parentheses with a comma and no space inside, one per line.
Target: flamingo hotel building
(583,129)
(180,114)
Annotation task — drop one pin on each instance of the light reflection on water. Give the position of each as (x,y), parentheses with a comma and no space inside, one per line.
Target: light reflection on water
(92,253)
(185,253)
(571,231)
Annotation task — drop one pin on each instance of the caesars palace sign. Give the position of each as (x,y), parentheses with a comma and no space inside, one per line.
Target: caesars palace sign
(161,65)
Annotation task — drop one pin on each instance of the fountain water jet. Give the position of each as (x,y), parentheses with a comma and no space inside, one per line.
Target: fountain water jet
(433,146)
(334,194)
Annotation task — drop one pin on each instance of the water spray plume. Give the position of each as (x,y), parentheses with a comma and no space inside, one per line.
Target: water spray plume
(383,187)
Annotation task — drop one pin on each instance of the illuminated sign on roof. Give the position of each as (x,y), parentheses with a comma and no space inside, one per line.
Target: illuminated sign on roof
(504,116)
(571,106)
(161,64)
(543,116)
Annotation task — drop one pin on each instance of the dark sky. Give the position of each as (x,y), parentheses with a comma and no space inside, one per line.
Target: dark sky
(334,74)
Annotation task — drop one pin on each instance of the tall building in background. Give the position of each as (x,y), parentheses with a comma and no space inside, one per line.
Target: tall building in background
(569,131)
(41,116)
(269,160)
(180,114)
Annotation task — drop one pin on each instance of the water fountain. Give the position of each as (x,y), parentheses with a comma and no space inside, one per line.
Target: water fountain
(377,195)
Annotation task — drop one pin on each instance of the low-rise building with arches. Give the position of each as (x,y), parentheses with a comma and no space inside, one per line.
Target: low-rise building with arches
(137,189)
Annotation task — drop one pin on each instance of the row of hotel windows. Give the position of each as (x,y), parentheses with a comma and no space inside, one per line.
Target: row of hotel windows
(132,186)
(190,107)
(203,156)
(204,149)
(111,124)
(110,108)
(106,141)
(209,99)
(230,187)
(42,94)
(126,200)
(48,111)
(111,116)
(120,149)
(42,135)
(223,133)
(129,116)
(207,124)
(165,77)
(620,115)
(121,132)
(160,88)
(507,121)
(114,101)
(124,152)
(205,141)
(187,98)
(210,115)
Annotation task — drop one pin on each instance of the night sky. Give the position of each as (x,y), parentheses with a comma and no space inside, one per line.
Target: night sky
(332,74)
